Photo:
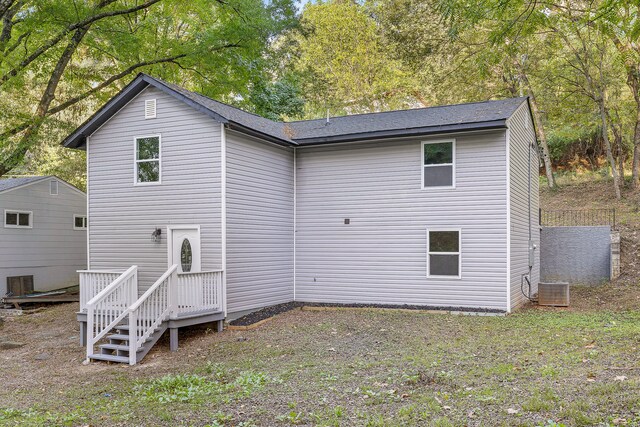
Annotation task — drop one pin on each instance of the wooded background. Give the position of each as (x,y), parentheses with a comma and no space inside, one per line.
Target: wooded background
(578,61)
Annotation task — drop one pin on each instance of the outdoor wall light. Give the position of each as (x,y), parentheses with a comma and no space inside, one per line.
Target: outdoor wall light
(155,236)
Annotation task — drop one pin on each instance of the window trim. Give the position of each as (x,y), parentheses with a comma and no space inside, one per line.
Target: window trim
(136,161)
(16,211)
(459,253)
(51,182)
(452,164)
(85,222)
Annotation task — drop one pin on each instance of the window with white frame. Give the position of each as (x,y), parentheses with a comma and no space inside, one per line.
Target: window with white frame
(443,259)
(79,222)
(17,219)
(438,164)
(147,168)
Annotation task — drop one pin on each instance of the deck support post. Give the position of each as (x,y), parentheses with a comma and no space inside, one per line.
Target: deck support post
(219,325)
(83,333)
(173,339)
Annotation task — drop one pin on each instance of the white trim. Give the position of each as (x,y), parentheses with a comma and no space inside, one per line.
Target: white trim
(155,107)
(223,213)
(18,212)
(508,201)
(459,253)
(51,182)
(87,203)
(136,160)
(295,214)
(452,164)
(85,221)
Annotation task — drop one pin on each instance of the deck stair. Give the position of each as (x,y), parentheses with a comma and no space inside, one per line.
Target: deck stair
(117,349)
(124,327)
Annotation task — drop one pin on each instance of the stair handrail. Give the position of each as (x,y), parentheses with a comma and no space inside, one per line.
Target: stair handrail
(164,306)
(116,303)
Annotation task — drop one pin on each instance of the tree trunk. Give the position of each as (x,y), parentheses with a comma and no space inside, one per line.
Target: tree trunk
(607,145)
(28,137)
(537,119)
(635,168)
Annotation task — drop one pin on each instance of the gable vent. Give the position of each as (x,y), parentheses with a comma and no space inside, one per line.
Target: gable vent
(150,109)
(53,187)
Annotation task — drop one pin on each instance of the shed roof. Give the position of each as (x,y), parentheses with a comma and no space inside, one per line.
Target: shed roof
(420,121)
(11,183)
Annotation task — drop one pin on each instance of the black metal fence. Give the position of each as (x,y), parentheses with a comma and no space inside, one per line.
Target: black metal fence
(578,217)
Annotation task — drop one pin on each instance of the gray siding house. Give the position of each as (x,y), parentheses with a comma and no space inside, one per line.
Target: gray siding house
(43,237)
(435,206)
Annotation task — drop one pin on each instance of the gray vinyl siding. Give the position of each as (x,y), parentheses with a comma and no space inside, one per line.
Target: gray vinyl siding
(521,135)
(52,251)
(381,256)
(122,215)
(260,208)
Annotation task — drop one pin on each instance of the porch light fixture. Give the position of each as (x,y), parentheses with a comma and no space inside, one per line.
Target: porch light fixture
(155,236)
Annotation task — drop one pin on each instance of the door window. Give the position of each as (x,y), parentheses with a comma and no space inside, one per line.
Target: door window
(186,256)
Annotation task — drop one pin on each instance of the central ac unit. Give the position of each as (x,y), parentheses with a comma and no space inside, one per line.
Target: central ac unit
(553,294)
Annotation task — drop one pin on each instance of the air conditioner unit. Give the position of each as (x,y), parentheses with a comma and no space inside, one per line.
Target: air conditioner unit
(553,294)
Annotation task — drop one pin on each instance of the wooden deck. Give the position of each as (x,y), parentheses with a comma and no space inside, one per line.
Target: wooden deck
(16,301)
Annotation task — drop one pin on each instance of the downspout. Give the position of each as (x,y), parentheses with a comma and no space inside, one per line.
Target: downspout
(531,245)
(295,214)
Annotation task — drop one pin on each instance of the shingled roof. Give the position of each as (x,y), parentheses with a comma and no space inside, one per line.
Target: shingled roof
(11,183)
(420,121)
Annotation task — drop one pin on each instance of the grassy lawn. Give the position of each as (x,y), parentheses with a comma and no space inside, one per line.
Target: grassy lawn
(340,368)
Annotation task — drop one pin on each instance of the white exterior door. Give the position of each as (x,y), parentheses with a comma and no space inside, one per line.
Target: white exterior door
(185,249)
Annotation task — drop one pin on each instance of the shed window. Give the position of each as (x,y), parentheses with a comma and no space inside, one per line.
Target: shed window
(79,222)
(438,164)
(148,159)
(444,253)
(17,219)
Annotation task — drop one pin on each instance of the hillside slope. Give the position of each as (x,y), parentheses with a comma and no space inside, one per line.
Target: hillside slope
(624,292)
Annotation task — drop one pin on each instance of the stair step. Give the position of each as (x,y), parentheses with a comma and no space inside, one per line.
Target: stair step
(118,347)
(109,358)
(122,327)
(119,337)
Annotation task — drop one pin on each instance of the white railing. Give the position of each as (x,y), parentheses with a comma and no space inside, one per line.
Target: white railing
(110,306)
(150,310)
(198,291)
(92,282)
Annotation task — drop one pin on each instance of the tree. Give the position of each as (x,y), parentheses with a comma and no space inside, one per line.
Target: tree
(344,64)
(60,59)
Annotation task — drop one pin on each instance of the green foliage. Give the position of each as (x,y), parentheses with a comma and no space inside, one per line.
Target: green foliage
(197,388)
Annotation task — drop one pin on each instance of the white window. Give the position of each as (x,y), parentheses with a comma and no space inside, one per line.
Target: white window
(18,219)
(79,222)
(150,109)
(438,164)
(443,258)
(147,160)
(53,187)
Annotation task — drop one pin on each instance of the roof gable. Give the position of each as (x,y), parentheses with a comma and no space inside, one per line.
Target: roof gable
(421,121)
(10,184)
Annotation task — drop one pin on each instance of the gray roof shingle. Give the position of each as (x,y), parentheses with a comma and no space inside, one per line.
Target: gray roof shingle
(420,121)
(9,183)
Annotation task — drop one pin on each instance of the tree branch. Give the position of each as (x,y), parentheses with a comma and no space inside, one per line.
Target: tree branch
(57,38)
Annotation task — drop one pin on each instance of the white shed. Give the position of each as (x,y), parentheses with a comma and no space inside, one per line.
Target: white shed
(43,237)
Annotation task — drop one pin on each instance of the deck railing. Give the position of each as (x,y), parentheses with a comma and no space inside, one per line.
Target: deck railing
(198,292)
(110,306)
(150,310)
(92,282)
